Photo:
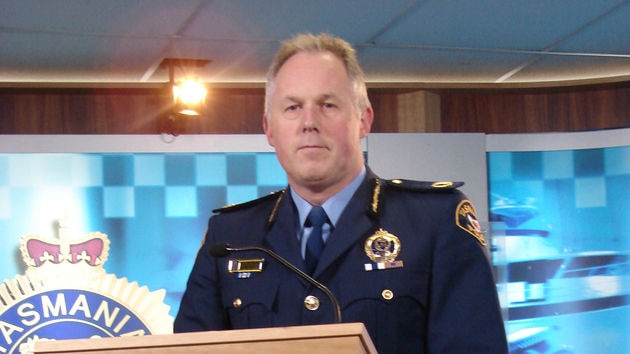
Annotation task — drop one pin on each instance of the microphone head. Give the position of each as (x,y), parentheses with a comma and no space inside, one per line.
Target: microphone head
(220,249)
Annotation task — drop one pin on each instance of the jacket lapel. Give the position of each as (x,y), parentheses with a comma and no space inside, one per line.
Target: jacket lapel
(282,231)
(353,226)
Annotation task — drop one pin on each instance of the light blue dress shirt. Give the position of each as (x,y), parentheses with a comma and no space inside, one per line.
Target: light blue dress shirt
(333,206)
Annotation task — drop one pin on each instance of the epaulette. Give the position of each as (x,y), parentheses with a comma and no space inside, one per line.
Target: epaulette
(375,203)
(250,203)
(423,186)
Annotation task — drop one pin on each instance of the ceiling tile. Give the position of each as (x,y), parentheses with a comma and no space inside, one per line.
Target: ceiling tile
(397,40)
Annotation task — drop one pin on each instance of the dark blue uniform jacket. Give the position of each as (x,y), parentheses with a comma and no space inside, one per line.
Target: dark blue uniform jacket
(440,297)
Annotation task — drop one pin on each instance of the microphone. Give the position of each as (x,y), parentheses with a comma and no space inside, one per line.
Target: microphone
(222,249)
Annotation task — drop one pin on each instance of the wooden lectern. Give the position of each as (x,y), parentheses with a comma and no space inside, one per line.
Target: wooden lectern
(334,338)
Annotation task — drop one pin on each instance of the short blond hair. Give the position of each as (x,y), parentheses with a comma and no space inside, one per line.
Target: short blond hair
(323,42)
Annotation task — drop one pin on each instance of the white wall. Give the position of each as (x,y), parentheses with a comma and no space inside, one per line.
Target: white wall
(434,157)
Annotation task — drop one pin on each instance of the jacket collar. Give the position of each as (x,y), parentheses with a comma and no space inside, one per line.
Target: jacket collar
(357,220)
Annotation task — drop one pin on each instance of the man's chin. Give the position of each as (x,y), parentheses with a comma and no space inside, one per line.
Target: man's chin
(314,179)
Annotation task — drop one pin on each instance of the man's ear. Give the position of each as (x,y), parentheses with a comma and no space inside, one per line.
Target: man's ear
(267,129)
(367,117)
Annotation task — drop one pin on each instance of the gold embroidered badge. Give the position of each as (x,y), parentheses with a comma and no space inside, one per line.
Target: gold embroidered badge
(466,219)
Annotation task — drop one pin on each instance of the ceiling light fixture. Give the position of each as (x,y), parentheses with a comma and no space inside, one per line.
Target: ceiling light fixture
(189,95)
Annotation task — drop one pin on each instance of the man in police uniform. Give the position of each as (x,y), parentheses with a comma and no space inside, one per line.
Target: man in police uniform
(405,258)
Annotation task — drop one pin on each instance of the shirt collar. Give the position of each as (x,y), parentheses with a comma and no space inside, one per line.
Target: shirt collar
(334,205)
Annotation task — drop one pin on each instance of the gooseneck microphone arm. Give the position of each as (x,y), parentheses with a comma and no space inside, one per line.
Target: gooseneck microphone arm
(221,250)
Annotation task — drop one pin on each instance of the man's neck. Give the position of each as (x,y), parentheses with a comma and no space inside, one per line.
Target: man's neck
(318,195)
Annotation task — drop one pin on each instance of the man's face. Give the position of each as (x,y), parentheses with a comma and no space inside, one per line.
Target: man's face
(314,123)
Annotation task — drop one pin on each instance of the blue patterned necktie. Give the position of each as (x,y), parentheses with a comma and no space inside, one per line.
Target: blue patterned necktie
(315,243)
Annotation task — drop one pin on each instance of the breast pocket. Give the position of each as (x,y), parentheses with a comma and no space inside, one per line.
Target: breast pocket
(392,303)
(389,286)
(249,302)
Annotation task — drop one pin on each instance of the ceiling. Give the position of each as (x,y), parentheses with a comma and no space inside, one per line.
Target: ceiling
(449,42)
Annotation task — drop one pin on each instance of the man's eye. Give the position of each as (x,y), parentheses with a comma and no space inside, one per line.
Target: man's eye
(294,107)
(328,105)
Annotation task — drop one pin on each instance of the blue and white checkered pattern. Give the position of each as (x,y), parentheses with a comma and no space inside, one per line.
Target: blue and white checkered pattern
(153,206)
(581,195)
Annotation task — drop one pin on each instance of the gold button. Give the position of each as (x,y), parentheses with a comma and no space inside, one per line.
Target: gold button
(387,294)
(397,181)
(311,303)
(237,302)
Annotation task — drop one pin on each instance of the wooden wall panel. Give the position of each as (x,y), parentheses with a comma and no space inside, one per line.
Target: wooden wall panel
(385,106)
(540,110)
(227,112)
(77,111)
(240,110)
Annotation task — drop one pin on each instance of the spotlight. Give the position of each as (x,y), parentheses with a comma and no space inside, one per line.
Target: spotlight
(189,96)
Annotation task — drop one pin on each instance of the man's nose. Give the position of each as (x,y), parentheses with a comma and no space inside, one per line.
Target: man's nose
(311,117)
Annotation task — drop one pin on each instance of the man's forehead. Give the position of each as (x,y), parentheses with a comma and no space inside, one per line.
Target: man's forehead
(311,62)
(313,75)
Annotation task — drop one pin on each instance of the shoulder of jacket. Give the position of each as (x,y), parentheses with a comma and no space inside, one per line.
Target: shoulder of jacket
(423,186)
(273,196)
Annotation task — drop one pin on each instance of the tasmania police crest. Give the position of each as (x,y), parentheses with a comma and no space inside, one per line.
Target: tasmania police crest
(66,294)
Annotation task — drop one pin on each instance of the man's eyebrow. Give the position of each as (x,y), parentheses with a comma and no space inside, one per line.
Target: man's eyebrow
(299,99)
(327,96)
(292,98)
